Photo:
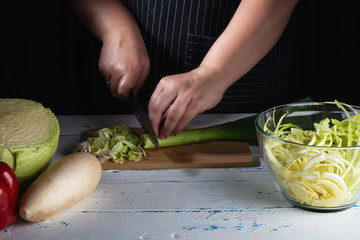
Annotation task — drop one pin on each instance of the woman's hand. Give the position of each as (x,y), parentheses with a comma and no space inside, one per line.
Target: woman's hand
(179,98)
(125,65)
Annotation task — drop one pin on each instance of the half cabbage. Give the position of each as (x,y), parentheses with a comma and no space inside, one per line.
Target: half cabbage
(29,135)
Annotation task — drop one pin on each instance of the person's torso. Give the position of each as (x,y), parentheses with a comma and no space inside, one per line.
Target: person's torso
(178,34)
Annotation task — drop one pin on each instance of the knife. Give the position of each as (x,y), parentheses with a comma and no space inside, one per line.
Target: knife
(143,118)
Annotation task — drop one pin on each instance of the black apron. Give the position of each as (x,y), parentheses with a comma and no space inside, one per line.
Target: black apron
(178,34)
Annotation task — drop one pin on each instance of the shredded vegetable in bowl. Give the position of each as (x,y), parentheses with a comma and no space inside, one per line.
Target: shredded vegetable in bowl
(319,167)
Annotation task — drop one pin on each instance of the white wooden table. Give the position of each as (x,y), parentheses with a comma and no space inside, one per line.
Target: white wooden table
(231,203)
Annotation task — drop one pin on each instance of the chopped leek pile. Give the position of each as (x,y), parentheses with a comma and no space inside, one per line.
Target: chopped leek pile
(327,174)
(115,144)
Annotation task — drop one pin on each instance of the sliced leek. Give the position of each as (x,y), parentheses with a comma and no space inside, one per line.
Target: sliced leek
(326,174)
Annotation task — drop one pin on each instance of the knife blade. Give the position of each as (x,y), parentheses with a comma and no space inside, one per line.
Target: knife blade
(143,118)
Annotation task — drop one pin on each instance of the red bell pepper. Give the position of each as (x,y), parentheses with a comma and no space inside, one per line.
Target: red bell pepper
(9,190)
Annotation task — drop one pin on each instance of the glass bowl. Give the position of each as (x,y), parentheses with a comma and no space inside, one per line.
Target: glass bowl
(317,178)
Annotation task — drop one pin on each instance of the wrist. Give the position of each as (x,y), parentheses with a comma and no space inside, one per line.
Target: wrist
(122,39)
(215,75)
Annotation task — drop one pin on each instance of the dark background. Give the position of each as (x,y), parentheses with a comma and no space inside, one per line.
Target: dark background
(47,55)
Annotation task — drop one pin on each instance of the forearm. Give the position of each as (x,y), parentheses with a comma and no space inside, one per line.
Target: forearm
(106,19)
(253,31)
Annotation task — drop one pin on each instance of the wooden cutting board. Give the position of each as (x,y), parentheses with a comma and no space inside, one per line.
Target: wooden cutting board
(217,154)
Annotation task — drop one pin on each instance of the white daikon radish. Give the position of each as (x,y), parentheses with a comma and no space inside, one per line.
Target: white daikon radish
(64,184)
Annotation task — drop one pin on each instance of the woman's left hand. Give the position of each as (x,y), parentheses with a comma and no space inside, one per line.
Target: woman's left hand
(177,99)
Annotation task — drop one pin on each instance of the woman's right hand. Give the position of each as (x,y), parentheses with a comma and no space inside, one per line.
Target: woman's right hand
(124,61)
(125,65)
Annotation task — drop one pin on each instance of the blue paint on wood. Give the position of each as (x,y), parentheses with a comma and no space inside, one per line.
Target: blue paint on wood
(213,213)
(255,224)
(42,226)
(238,227)
(190,228)
(65,223)
(213,228)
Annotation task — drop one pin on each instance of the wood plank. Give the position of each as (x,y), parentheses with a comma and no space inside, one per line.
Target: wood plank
(201,204)
(219,154)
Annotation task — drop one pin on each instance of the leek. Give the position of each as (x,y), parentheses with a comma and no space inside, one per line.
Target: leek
(239,130)
(116,144)
(327,173)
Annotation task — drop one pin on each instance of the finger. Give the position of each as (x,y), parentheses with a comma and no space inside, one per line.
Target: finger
(158,90)
(155,113)
(113,82)
(188,115)
(159,103)
(131,81)
(125,86)
(121,86)
(173,116)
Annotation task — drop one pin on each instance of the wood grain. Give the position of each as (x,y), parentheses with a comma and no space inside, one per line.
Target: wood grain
(217,154)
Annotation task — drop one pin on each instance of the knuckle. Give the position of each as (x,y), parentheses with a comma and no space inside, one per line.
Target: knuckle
(135,65)
(154,106)
(117,67)
(187,117)
(173,116)
(167,82)
(110,68)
